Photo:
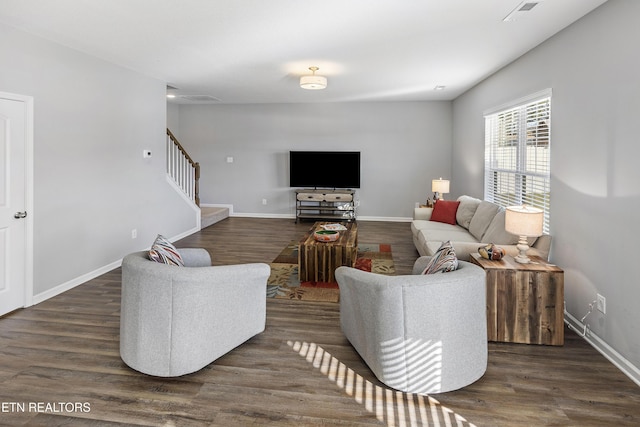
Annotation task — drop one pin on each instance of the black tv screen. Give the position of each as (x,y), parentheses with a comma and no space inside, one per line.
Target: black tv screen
(324,169)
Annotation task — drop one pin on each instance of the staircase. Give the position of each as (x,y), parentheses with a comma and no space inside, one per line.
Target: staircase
(185,174)
(181,168)
(211,215)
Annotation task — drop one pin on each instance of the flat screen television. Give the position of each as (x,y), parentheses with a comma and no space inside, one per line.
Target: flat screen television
(324,169)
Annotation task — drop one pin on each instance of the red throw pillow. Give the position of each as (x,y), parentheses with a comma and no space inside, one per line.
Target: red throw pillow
(445,211)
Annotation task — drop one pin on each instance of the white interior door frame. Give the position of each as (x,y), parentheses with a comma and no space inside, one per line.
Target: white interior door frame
(28,102)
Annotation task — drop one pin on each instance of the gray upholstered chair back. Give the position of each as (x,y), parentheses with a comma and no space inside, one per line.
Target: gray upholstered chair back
(418,333)
(176,320)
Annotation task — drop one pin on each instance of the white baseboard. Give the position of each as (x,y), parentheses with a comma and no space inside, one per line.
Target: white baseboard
(606,350)
(262,215)
(292,216)
(186,233)
(50,293)
(385,218)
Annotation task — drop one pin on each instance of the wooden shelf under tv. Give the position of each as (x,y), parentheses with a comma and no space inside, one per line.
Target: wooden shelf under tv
(333,205)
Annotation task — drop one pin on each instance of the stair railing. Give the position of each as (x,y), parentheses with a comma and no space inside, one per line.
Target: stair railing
(182,169)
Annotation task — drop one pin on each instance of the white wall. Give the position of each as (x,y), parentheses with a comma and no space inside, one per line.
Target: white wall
(404,145)
(173,118)
(92,186)
(593,68)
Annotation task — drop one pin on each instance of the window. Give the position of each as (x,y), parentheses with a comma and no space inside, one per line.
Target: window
(517,154)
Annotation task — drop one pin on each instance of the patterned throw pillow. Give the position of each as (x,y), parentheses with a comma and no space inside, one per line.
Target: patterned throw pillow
(443,260)
(164,252)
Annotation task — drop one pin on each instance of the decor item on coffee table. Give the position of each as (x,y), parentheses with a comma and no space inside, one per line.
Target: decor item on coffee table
(524,301)
(319,260)
(176,320)
(326,235)
(418,333)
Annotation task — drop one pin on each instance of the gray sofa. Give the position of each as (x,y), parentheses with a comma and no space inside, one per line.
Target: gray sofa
(417,333)
(176,320)
(478,223)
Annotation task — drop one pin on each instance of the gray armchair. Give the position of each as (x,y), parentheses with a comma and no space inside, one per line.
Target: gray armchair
(417,333)
(176,320)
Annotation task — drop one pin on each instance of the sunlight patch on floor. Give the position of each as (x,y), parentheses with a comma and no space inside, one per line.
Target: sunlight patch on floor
(392,407)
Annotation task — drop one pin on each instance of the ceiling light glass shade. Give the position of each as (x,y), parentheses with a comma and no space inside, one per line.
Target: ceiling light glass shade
(313,82)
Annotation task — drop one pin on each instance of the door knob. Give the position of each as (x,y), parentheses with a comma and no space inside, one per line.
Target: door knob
(19,215)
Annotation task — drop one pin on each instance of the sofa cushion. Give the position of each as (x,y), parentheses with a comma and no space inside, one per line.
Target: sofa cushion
(445,211)
(443,260)
(453,234)
(466,209)
(418,226)
(485,213)
(163,251)
(496,233)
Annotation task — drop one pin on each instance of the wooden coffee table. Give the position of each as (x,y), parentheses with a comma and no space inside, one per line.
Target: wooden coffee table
(317,261)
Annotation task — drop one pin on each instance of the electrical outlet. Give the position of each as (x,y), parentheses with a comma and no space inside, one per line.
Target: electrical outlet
(264,201)
(134,233)
(601,304)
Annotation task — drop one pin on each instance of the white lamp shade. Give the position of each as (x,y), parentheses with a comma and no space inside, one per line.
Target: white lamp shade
(440,186)
(524,221)
(313,82)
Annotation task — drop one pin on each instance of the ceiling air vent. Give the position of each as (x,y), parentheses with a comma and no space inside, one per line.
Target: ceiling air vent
(521,10)
(526,7)
(199,98)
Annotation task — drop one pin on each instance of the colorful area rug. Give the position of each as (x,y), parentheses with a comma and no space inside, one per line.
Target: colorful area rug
(284,283)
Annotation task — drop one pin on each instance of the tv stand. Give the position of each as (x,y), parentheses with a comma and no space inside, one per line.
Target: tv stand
(332,205)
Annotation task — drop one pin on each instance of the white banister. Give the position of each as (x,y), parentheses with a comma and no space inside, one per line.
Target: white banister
(182,169)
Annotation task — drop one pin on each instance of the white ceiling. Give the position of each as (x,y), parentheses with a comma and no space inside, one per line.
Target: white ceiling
(254,51)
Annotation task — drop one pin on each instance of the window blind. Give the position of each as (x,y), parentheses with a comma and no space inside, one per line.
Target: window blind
(517,156)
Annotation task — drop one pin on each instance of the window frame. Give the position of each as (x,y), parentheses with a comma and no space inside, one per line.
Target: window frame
(517,164)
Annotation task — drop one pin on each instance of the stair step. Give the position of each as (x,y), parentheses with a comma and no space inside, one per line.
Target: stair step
(211,215)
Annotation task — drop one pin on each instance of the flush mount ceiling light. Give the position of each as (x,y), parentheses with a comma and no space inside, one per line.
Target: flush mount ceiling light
(313,82)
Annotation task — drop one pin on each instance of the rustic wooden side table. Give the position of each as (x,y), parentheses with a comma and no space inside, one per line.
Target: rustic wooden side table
(317,261)
(525,302)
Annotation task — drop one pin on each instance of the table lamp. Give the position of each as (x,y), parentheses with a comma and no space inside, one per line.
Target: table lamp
(524,221)
(439,187)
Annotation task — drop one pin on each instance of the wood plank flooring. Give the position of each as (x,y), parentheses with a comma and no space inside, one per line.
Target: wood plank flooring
(300,372)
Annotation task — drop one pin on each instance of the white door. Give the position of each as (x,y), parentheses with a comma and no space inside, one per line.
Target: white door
(13,224)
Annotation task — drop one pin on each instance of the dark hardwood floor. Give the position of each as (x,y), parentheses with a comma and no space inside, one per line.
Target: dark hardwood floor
(60,364)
